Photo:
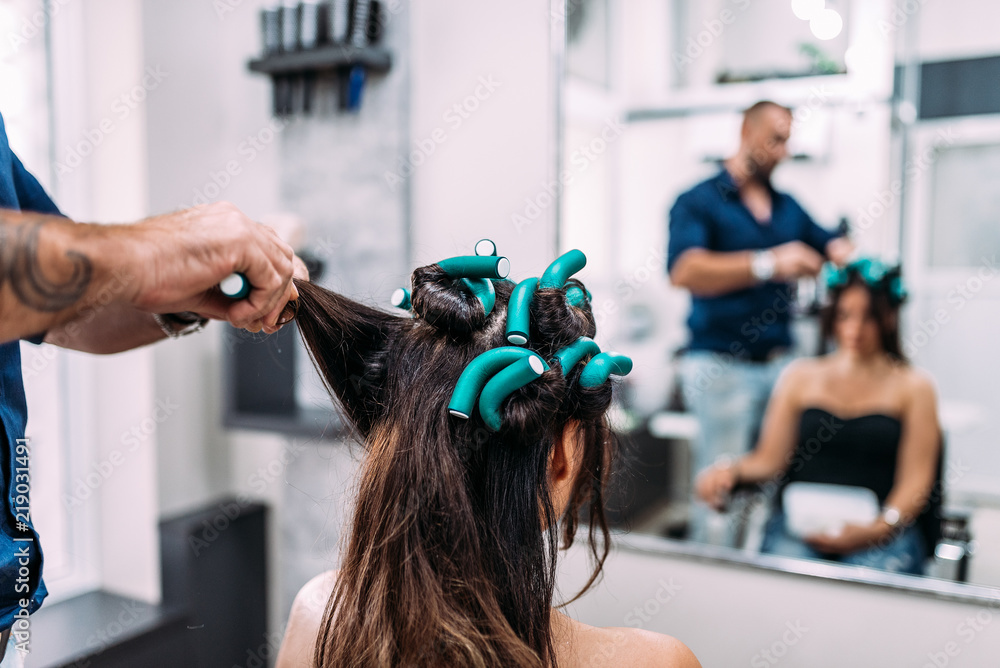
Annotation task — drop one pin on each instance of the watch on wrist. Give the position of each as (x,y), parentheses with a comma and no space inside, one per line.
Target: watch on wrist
(891,516)
(180,324)
(762,265)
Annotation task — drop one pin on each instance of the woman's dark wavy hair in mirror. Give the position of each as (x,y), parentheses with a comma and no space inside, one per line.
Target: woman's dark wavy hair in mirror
(451,557)
(883,310)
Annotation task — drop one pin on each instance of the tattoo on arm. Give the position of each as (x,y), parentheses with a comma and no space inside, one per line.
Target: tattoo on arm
(21,266)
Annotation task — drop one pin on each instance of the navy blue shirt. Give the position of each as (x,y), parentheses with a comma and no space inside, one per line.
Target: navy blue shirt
(20,552)
(750,322)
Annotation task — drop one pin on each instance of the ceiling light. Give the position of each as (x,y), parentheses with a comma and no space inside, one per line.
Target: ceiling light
(806,9)
(827,24)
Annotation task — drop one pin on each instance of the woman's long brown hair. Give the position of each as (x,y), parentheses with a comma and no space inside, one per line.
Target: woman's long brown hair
(451,557)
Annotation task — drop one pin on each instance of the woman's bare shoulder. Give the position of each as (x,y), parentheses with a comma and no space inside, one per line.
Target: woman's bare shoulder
(648,648)
(805,367)
(917,381)
(304,621)
(623,646)
(800,374)
(654,649)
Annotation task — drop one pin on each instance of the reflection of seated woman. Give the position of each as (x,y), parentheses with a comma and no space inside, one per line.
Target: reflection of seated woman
(460,513)
(859,416)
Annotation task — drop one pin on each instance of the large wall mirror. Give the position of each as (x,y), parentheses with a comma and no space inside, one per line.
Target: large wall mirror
(895,135)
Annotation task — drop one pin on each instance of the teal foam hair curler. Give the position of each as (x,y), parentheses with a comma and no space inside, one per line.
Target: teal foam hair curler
(564,266)
(576,296)
(602,366)
(486,248)
(571,355)
(519,311)
(400,299)
(475,266)
(482,288)
(508,380)
(475,375)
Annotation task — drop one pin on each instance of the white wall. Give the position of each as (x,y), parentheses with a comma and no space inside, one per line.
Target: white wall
(496,153)
(950,30)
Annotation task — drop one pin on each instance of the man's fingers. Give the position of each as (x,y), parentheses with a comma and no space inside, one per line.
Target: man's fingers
(272,318)
(300,270)
(214,305)
(270,274)
(281,258)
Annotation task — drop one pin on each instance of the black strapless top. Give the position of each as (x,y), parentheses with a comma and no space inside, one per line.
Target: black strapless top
(859,451)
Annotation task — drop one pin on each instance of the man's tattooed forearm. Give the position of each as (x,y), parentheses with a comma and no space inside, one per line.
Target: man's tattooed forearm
(22,268)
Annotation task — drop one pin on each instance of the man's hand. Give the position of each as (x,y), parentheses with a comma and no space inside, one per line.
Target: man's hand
(301,273)
(795,259)
(178,259)
(713,485)
(839,250)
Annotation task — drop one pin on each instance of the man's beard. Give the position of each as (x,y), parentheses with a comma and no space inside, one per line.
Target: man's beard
(759,172)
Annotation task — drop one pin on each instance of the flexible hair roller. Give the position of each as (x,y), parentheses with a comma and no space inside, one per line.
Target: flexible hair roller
(602,366)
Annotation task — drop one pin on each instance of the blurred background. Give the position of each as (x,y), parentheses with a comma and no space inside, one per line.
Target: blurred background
(185,491)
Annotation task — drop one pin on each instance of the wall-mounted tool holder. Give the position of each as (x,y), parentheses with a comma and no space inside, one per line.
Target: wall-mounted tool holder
(317,38)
